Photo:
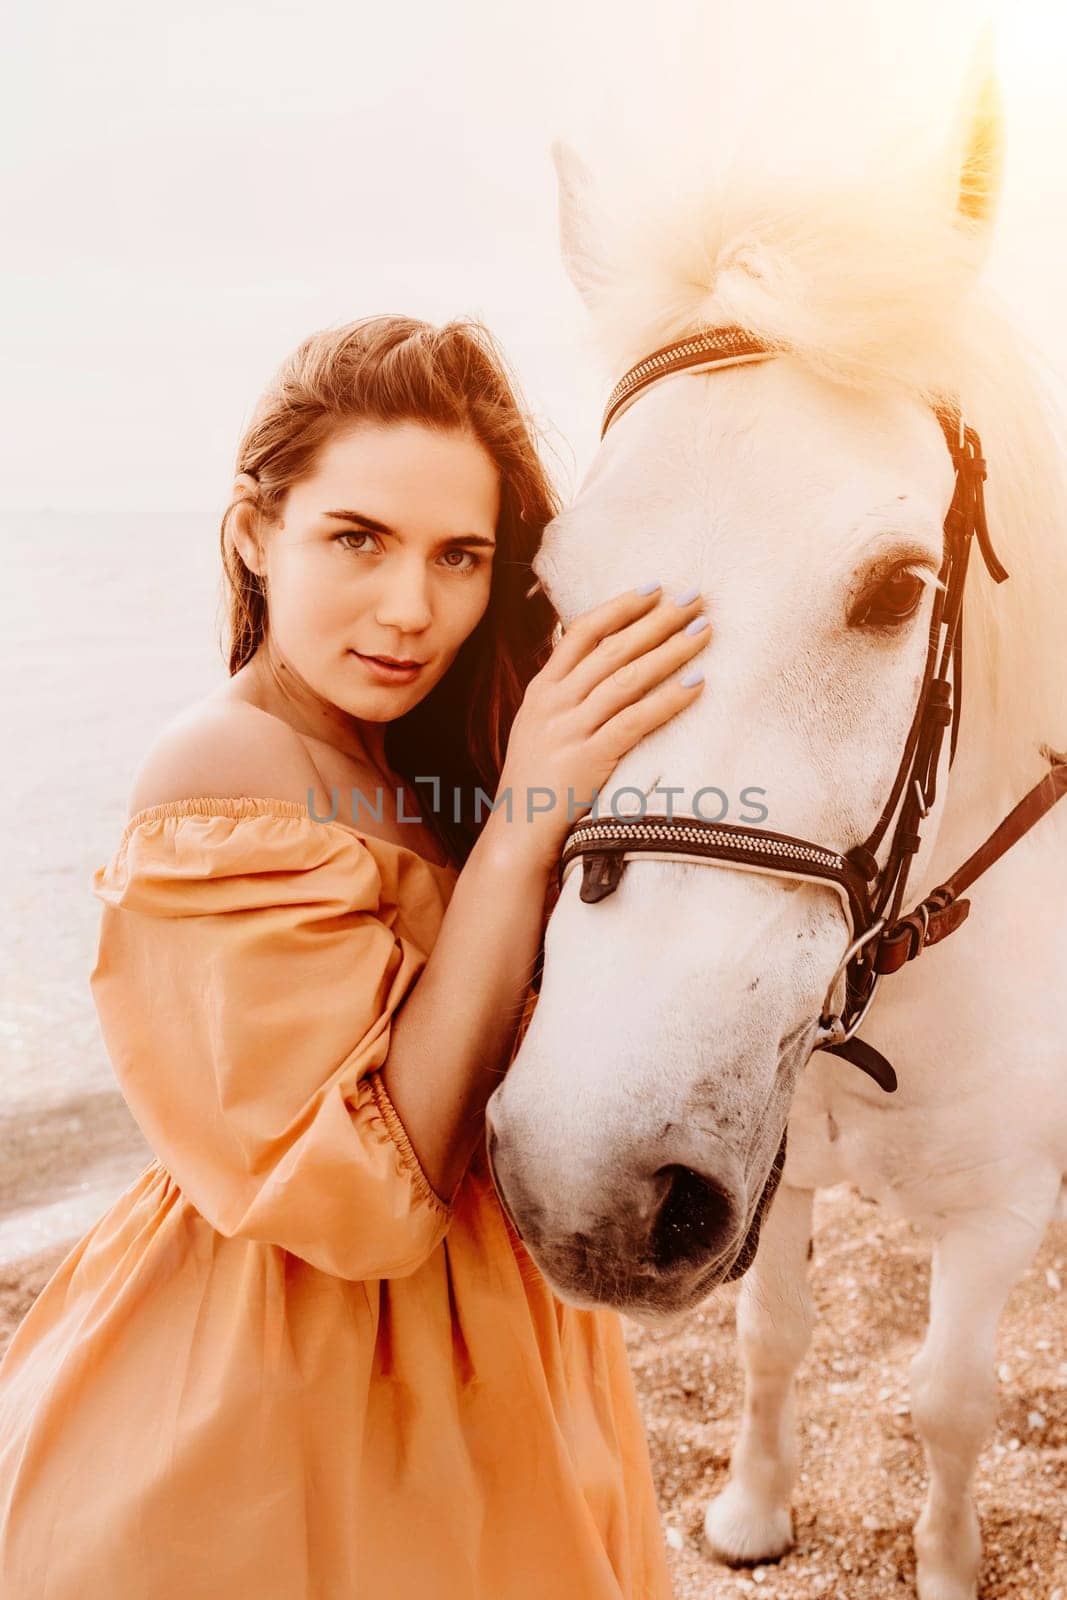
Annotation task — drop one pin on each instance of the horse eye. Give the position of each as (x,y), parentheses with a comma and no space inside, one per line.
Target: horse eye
(895,600)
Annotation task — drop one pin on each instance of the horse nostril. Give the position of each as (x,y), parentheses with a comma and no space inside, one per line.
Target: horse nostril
(695,1221)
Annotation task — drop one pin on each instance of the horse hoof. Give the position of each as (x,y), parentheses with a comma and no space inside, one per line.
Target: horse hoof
(741,1532)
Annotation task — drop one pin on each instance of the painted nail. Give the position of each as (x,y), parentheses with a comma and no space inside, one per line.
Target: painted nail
(692,678)
(687,598)
(648,588)
(697,625)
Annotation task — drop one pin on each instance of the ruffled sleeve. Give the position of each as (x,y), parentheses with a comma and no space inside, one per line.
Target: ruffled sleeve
(248,970)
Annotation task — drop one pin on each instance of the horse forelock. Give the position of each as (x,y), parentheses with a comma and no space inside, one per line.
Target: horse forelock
(846,246)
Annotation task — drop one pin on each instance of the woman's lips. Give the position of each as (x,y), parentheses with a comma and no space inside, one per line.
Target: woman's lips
(387,674)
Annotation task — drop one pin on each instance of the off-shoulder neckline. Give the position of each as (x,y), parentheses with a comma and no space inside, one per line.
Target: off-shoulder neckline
(238,806)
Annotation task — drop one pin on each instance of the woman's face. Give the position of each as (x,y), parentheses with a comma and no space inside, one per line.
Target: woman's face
(386,550)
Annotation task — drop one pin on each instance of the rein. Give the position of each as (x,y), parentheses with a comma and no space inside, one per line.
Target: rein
(881,938)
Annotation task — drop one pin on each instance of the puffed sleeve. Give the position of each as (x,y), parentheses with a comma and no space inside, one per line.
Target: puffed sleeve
(248,970)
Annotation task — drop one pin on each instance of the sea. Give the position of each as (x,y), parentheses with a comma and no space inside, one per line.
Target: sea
(110,624)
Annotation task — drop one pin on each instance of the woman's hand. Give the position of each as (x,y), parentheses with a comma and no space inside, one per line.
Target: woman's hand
(613,677)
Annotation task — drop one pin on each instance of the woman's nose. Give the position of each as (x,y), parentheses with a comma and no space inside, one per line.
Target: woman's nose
(404,601)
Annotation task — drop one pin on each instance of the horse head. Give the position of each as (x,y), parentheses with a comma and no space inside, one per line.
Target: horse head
(640,1131)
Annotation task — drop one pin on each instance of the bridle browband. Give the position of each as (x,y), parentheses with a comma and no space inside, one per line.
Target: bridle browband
(882,940)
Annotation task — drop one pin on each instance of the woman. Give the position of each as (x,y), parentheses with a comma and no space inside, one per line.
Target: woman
(305,1355)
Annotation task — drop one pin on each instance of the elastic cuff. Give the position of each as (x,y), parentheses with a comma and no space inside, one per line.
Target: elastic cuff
(399,1135)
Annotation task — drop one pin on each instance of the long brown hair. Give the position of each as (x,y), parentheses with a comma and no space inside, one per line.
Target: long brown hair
(397,369)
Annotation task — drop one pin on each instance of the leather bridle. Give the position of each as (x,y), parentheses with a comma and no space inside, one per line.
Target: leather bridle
(882,940)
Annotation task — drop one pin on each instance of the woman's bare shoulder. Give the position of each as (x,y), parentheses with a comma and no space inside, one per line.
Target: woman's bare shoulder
(224,748)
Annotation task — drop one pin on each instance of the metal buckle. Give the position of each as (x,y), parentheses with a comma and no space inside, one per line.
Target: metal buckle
(832,1029)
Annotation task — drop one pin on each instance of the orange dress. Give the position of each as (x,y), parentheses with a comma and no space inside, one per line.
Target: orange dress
(280,1366)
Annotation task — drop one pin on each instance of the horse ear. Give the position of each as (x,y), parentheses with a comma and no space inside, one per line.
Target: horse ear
(578,232)
(979,147)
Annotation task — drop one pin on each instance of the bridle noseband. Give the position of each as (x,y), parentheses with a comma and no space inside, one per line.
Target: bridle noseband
(882,940)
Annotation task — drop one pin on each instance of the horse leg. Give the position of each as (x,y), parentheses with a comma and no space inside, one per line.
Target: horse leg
(750,1520)
(953,1386)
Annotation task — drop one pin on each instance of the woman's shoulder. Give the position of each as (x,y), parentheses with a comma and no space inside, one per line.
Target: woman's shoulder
(226,765)
(225,813)
(228,748)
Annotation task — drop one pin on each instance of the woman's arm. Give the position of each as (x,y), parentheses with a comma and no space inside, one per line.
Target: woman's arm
(451,1037)
(451,1034)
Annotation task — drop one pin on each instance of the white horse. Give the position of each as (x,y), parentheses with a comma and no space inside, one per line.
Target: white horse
(637,1128)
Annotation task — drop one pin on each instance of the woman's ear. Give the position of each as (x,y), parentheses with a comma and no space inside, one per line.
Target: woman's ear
(244,522)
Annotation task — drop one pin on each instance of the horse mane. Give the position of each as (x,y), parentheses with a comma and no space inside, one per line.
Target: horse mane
(868,271)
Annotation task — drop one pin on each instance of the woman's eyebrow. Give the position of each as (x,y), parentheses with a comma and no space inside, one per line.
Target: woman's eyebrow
(382,527)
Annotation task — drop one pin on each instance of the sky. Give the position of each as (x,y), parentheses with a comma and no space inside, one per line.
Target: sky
(189,190)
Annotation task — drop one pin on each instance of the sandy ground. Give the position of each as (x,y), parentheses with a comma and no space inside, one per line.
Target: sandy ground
(861,1476)
(862,1473)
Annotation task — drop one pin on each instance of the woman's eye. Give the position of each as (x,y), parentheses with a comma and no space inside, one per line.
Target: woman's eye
(471,560)
(363,535)
(895,600)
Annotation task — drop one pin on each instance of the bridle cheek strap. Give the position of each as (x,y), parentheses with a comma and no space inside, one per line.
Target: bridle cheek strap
(605,846)
(882,940)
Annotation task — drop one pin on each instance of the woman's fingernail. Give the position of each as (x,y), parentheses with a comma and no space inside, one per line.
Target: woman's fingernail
(687,598)
(648,588)
(692,678)
(697,625)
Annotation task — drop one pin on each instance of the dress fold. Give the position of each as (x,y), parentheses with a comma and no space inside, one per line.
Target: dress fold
(281,1364)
